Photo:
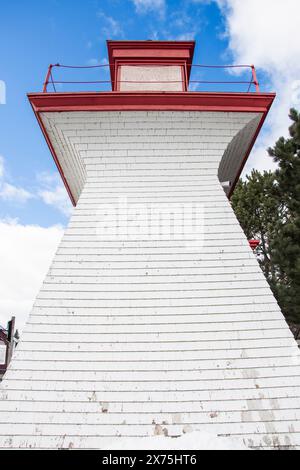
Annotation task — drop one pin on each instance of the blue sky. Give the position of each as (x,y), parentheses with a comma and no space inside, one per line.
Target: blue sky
(34,206)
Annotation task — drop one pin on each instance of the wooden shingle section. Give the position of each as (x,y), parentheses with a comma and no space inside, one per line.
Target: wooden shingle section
(137,331)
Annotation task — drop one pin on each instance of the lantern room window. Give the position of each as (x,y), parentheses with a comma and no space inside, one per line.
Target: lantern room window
(151,78)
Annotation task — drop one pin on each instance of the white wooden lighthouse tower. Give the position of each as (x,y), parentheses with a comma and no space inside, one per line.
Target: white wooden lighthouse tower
(145,325)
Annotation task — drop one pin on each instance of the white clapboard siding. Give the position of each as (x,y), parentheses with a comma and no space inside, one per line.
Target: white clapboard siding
(148,376)
(250,322)
(286,359)
(282,441)
(154,396)
(141,418)
(133,330)
(92,406)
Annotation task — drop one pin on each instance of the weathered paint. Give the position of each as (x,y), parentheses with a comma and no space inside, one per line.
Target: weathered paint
(147,336)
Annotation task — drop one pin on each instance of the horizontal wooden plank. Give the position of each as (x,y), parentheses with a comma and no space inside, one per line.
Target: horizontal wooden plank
(161,329)
(54,429)
(266,441)
(110,118)
(158,219)
(174,386)
(146,377)
(137,334)
(242,321)
(147,179)
(156,303)
(183,263)
(149,186)
(148,285)
(92,237)
(154,294)
(135,216)
(275,349)
(286,358)
(123,157)
(160,142)
(148,137)
(114,442)
(155,164)
(140,173)
(90,333)
(167,279)
(148,419)
(221,272)
(182,249)
(264,310)
(153,407)
(145,397)
(127,345)
(168,258)
(70,243)
(100,199)
(130,218)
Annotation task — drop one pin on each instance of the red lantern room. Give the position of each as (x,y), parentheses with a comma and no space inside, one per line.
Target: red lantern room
(150,65)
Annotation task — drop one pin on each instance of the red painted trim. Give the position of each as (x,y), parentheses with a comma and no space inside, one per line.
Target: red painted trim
(255,81)
(137,101)
(53,153)
(183,78)
(186,71)
(47,78)
(142,101)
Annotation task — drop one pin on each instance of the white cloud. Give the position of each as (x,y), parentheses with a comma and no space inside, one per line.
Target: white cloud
(144,6)
(265,32)
(1,167)
(111,27)
(49,189)
(188,36)
(9,192)
(26,252)
(205,2)
(2,92)
(57,198)
(93,62)
(96,62)
(53,193)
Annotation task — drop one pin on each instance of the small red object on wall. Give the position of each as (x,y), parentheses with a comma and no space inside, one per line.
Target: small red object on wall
(254,244)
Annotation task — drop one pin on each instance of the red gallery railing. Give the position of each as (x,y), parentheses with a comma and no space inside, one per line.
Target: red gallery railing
(193,84)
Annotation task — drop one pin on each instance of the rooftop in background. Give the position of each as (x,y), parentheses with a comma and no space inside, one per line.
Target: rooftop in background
(158,66)
(8,340)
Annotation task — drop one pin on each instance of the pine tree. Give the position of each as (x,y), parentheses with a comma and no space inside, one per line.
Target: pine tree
(286,243)
(268,207)
(257,208)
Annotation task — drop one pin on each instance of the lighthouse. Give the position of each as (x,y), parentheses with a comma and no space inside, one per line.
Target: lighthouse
(154,318)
